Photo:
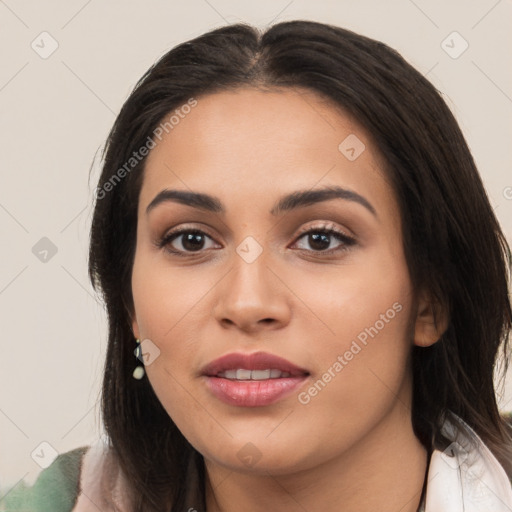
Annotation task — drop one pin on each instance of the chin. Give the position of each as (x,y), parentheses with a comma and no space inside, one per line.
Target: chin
(254,457)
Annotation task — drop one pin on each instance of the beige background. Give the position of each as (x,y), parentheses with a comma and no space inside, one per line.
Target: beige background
(56,112)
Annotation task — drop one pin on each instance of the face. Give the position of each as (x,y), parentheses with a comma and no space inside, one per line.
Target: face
(317,280)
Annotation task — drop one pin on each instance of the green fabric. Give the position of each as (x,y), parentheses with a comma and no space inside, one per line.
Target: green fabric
(55,490)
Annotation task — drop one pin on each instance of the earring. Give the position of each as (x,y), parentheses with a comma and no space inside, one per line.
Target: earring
(139,372)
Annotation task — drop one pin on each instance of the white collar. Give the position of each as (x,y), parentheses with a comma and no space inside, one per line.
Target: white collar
(466,476)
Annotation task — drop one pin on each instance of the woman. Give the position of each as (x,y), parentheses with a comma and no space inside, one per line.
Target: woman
(306,288)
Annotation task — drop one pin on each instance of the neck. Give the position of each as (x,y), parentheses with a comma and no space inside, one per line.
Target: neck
(385,471)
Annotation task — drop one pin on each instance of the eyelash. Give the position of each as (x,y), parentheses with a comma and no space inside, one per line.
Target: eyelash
(327,229)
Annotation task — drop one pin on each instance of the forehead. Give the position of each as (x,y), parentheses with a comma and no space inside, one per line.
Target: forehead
(257,142)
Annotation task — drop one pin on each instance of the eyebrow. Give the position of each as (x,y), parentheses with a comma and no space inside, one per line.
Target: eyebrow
(289,202)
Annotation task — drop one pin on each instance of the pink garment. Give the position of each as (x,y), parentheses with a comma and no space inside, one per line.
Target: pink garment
(101,482)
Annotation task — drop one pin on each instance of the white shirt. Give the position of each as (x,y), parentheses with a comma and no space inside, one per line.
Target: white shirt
(466,477)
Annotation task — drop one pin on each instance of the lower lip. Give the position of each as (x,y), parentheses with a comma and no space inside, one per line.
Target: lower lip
(253,393)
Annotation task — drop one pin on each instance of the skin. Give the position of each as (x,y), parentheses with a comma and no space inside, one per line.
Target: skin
(351,447)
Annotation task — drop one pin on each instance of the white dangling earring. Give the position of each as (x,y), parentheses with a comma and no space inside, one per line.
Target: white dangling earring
(139,372)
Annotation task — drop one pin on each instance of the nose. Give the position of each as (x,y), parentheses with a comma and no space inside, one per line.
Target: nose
(252,297)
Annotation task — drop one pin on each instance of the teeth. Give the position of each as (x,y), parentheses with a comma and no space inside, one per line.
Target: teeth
(242,374)
(260,374)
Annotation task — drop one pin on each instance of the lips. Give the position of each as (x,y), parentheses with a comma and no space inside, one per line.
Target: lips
(252,380)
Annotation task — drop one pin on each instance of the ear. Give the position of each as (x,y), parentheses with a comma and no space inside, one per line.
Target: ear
(432,319)
(135,327)
(130,312)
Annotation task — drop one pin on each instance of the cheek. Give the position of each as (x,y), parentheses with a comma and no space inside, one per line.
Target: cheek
(166,306)
(363,334)
(171,310)
(167,299)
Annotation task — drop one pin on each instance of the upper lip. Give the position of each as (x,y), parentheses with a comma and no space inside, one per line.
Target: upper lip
(254,361)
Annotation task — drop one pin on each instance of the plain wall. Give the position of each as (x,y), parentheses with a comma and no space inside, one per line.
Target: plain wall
(56,113)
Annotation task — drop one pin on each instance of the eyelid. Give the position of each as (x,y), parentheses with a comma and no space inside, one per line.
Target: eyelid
(332,230)
(327,226)
(165,239)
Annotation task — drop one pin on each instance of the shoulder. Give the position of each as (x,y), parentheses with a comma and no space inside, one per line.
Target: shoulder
(56,487)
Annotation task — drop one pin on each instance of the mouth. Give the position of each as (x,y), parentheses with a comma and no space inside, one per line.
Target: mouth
(252,380)
(244,374)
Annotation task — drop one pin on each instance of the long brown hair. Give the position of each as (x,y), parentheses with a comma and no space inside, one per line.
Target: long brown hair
(452,240)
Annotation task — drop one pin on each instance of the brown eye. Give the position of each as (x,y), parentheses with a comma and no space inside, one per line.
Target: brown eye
(320,240)
(185,241)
